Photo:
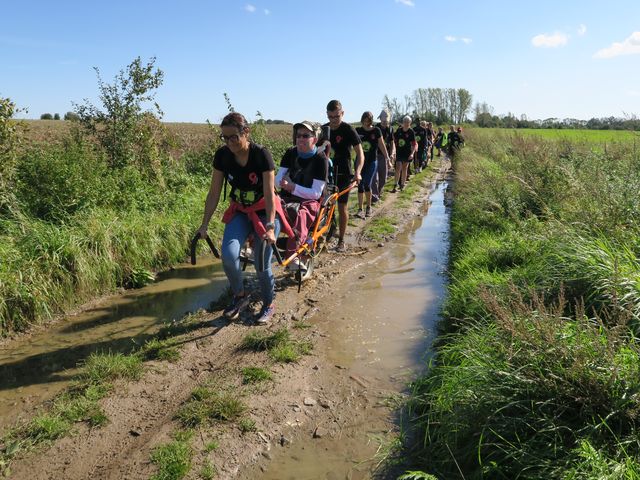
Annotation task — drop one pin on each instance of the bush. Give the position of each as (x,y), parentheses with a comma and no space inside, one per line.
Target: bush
(46,116)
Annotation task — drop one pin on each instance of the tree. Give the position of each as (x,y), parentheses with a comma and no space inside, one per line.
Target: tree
(465,99)
(46,116)
(56,116)
(71,116)
(121,126)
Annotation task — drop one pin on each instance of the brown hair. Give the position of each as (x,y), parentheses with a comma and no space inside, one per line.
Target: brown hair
(368,115)
(334,105)
(235,119)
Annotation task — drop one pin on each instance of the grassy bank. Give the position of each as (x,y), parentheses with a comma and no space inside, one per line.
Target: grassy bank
(538,375)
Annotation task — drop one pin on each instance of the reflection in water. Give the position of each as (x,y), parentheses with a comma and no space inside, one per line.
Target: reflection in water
(40,365)
(380,329)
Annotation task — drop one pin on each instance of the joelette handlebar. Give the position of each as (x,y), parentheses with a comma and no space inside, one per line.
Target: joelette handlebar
(194,245)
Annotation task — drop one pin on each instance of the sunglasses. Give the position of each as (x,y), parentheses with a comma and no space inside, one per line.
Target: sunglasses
(305,135)
(230,138)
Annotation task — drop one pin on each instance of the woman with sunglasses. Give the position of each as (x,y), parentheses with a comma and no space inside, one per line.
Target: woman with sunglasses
(302,177)
(249,170)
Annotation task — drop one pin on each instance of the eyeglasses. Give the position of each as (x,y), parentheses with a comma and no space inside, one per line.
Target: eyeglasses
(227,138)
(305,135)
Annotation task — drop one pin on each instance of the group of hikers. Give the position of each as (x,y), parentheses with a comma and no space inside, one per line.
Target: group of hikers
(256,210)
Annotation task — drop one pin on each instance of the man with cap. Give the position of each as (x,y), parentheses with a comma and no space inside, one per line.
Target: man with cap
(302,178)
(380,178)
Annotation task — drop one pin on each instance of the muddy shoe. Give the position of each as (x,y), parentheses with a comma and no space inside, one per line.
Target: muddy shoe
(367,212)
(341,247)
(360,213)
(266,315)
(238,304)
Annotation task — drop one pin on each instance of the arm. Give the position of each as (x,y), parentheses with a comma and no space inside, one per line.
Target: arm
(359,161)
(383,149)
(211,203)
(268,189)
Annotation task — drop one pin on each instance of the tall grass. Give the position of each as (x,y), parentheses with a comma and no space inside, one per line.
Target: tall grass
(539,374)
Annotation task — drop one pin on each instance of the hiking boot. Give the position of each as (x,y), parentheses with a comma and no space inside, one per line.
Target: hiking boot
(367,212)
(341,247)
(360,213)
(266,315)
(236,306)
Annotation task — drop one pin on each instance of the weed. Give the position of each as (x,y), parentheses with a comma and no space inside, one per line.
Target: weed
(172,459)
(247,425)
(260,341)
(208,471)
(101,368)
(156,349)
(211,446)
(255,375)
(207,404)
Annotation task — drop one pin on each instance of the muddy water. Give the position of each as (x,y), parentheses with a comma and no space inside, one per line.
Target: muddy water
(380,328)
(37,367)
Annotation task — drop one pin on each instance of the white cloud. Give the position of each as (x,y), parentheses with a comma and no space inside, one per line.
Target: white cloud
(450,38)
(630,46)
(250,8)
(408,3)
(557,39)
(582,29)
(267,11)
(633,93)
(466,40)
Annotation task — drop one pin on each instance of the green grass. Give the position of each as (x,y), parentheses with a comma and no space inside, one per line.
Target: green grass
(574,135)
(251,375)
(208,471)
(247,425)
(156,349)
(101,368)
(208,404)
(173,459)
(534,377)
(380,228)
(280,345)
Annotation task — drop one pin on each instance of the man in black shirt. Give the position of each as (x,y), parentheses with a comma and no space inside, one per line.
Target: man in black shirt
(421,138)
(343,139)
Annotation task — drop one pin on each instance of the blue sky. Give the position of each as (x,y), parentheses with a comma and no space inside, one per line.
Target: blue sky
(544,59)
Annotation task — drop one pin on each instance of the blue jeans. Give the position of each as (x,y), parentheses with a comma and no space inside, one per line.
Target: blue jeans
(367,176)
(235,234)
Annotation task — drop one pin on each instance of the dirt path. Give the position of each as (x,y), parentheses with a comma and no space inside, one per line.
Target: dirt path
(142,414)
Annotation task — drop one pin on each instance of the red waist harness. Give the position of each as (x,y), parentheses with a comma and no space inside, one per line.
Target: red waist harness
(252,212)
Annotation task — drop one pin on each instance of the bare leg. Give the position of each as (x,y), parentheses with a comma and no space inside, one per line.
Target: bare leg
(343,218)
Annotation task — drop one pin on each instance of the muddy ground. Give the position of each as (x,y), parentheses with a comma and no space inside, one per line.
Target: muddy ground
(312,398)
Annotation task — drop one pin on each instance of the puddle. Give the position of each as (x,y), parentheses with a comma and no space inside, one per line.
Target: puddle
(37,367)
(380,329)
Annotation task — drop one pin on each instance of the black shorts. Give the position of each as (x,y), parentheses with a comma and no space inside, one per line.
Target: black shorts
(342,182)
(403,159)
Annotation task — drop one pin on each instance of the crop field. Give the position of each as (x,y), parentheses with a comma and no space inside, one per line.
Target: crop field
(595,136)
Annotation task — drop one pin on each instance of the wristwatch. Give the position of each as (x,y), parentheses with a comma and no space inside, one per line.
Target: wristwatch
(270,226)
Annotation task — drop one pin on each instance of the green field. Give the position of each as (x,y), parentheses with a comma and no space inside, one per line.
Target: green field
(599,136)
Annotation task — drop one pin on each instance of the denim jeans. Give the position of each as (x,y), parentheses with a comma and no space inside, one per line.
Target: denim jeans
(235,234)
(369,170)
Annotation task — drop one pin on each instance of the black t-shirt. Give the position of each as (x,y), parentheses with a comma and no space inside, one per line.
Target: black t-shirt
(304,171)
(403,142)
(249,177)
(429,136)
(369,139)
(387,135)
(421,136)
(342,140)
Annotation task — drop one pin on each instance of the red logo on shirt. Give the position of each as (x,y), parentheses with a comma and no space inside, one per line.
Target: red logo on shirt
(338,139)
(253,178)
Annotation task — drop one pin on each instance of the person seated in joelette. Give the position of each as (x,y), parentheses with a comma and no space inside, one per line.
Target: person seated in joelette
(302,178)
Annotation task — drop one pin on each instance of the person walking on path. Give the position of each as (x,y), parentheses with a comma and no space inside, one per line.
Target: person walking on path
(371,138)
(249,169)
(421,139)
(406,147)
(384,165)
(343,139)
